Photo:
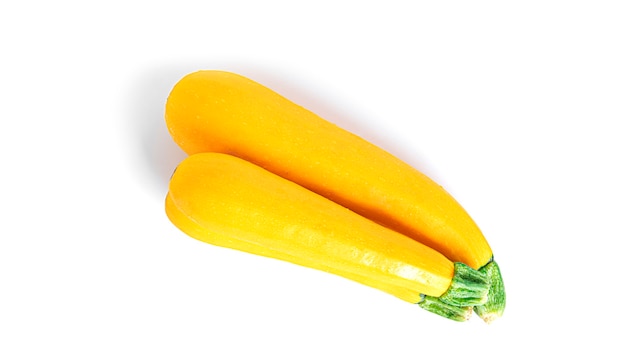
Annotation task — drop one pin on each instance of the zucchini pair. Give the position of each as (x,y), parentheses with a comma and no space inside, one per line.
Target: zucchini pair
(269,177)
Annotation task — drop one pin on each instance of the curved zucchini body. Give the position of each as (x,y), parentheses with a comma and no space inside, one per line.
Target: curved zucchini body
(215,111)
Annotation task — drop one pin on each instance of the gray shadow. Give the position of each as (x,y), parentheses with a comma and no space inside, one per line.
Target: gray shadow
(154,154)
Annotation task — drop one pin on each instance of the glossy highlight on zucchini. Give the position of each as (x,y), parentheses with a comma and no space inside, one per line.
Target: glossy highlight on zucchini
(229,202)
(217,111)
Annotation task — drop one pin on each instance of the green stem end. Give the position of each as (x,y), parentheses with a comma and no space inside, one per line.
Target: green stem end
(469,288)
(493,308)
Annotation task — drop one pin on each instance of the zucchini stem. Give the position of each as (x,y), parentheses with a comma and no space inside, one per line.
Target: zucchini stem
(469,287)
(496,302)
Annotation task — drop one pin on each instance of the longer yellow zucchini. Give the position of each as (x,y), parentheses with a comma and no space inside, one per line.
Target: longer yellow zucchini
(215,111)
(226,201)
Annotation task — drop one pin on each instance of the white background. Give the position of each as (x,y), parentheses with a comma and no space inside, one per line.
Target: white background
(517,108)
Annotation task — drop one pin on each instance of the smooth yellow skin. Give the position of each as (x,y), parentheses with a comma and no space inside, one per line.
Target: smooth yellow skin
(184,223)
(215,111)
(226,201)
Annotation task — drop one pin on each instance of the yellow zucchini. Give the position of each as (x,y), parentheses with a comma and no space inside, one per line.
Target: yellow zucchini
(189,227)
(216,111)
(226,201)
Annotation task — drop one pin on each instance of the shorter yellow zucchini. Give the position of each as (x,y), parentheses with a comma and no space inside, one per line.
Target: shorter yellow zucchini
(226,201)
(194,230)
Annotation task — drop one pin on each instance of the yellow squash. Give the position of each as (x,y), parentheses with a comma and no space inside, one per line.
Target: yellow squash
(216,111)
(226,201)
